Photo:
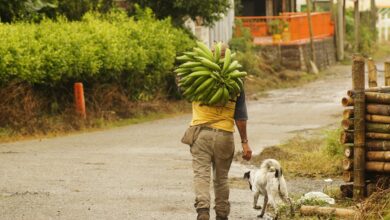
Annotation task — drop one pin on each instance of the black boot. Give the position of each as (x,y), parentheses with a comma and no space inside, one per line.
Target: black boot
(221,218)
(203,214)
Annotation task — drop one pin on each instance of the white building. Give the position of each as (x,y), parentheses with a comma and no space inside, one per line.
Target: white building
(222,30)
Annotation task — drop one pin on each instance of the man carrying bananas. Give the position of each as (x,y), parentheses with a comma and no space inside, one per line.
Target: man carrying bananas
(214,149)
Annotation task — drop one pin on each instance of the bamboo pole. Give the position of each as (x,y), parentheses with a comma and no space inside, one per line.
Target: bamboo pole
(348,176)
(382,167)
(347,113)
(348,151)
(347,124)
(378,118)
(346,137)
(378,156)
(371,97)
(350,93)
(378,128)
(347,101)
(328,211)
(346,190)
(378,109)
(359,127)
(373,145)
(378,136)
(377,98)
(387,73)
(383,89)
(372,74)
(347,164)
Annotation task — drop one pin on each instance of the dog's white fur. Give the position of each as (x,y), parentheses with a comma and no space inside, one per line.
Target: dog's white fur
(269,182)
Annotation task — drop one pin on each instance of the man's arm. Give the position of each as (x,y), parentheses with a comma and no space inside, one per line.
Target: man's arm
(241,116)
(246,150)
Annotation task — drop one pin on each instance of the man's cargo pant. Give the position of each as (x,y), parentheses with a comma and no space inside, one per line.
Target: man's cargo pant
(213,148)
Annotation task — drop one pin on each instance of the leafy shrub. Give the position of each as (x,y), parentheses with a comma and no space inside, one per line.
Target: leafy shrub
(333,146)
(138,54)
(368,35)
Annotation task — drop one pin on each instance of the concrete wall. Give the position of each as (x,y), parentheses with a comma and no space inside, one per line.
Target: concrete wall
(297,56)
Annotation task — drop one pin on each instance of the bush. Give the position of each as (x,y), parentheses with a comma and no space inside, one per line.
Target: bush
(137,54)
(333,146)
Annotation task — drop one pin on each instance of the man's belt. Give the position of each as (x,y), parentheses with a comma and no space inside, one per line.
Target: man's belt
(216,130)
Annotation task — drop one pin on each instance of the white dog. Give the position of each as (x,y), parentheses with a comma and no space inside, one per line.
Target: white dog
(269,182)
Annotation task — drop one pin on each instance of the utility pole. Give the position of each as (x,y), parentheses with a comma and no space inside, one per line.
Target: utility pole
(357,25)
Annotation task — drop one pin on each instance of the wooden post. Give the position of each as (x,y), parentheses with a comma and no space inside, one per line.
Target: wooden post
(340,30)
(313,57)
(269,8)
(79,100)
(359,126)
(328,211)
(373,16)
(387,73)
(357,25)
(372,75)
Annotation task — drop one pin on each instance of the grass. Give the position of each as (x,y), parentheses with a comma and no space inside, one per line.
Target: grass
(381,51)
(256,86)
(318,156)
(97,124)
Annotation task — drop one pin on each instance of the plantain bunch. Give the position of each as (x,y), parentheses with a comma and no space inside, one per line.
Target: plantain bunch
(208,77)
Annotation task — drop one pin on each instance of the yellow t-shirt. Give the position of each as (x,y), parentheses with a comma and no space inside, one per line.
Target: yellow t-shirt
(202,114)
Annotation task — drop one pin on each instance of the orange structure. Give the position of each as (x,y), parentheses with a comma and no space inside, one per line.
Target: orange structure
(79,99)
(297,27)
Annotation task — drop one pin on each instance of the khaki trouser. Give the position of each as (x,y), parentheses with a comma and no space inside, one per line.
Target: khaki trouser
(212,149)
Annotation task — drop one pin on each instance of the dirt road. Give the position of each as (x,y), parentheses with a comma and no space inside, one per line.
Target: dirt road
(143,171)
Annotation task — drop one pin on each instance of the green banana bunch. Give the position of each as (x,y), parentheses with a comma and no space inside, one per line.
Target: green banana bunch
(208,77)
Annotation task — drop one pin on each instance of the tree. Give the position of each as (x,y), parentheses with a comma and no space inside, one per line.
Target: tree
(75,9)
(35,9)
(24,9)
(209,10)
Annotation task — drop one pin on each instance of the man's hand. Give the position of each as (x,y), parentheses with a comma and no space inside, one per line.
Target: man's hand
(246,151)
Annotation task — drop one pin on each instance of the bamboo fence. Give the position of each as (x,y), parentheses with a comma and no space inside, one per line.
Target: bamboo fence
(366,129)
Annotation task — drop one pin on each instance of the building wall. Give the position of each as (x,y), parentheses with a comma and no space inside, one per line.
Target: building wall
(364,5)
(222,30)
(383,25)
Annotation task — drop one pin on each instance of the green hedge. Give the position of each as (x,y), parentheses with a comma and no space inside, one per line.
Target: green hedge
(137,53)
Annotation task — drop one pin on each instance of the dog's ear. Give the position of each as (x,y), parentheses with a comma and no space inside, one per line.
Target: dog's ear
(247,175)
(277,174)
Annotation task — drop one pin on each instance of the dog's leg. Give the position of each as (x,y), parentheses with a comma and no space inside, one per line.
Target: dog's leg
(287,200)
(255,199)
(264,205)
